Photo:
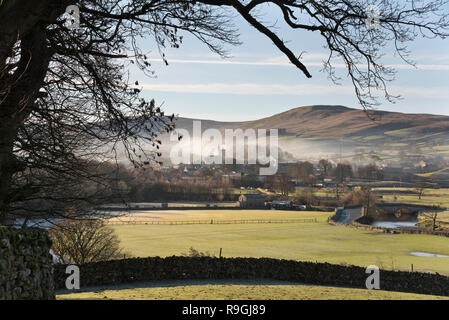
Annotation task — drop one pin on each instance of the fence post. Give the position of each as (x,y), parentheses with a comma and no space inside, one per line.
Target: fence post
(220,253)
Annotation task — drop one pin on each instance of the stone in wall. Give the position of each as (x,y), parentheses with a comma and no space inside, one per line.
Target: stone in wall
(25,264)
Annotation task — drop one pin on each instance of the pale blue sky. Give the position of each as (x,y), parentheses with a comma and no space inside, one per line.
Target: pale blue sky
(258,81)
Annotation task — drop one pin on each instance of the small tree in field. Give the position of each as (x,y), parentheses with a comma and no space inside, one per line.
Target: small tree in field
(195,253)
(420,188)
(433,218)
(83,241)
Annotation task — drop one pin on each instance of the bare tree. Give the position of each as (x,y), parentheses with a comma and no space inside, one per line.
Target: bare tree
(66,102)
(363,196)
(82,241)
(195,253)
(284,184)
(325,166)
(370,172)
(66,99)
(343,171)
(356,32)
(433,218)
(420,188)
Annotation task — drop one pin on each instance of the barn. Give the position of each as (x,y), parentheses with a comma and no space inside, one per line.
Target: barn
(251,201)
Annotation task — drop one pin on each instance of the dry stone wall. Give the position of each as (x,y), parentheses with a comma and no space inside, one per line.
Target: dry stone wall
(25,264)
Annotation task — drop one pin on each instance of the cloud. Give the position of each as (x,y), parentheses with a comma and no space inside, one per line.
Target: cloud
(310,60)
(421,92)
(227,117)
(283,89)
(268,62)
(248,88)
(428,67)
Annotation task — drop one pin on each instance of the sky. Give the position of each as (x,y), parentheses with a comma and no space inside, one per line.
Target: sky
(257,81)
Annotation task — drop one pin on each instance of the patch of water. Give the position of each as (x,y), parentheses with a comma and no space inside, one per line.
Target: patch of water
(393,224)
(36,223)
(429,255)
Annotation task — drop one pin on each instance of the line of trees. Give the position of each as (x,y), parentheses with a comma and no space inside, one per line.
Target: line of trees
(307,173)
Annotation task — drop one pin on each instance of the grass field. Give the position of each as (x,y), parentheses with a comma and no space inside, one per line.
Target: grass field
(232,290)
(207,215)
(439,197)
(401,195)
(151,205)
(311,241)
(425,200)
(442,173)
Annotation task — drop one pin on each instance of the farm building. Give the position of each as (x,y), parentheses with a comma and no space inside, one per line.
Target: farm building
(251,201)
(280,204)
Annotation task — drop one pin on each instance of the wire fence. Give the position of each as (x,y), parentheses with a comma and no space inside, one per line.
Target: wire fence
(190,222)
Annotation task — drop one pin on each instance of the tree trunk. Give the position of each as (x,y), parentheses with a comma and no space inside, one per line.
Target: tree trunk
(18,94)
(6,172)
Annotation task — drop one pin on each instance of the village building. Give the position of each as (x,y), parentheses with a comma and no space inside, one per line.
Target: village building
(251,201)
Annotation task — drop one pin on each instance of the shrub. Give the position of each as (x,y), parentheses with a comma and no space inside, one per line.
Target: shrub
(83,241)
(195,253)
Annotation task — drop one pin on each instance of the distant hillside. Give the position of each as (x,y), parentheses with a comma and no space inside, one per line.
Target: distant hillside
(439,174)
(330,122)
(326,130)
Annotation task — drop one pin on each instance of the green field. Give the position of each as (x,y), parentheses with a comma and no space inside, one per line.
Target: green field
(437,197)
(232,290)
(425,200)
(208,215)
(311,241)
(444,192)
(440,173)
(390,194)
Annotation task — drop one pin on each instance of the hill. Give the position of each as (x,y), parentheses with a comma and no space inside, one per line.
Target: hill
(331,122)
(315,131)
(341,133)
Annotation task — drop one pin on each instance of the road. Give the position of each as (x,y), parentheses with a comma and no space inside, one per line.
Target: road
(349,215)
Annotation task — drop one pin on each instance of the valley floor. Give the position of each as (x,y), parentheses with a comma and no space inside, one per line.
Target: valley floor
(305,241)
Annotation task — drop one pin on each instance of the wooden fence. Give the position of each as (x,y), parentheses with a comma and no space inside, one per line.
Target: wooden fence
(189,222)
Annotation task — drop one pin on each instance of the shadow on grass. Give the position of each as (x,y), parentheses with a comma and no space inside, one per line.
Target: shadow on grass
(179,283)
